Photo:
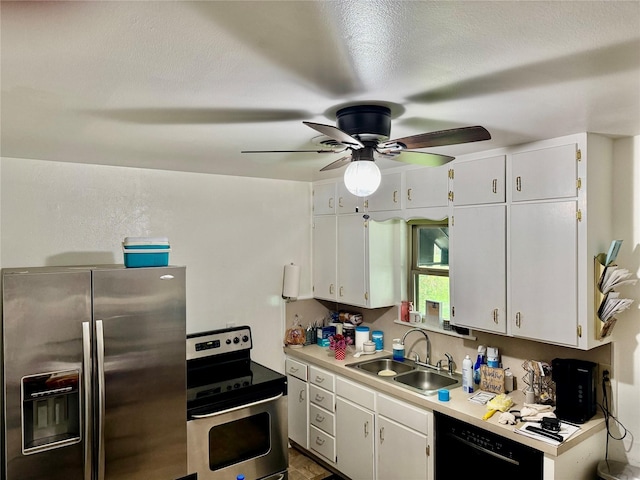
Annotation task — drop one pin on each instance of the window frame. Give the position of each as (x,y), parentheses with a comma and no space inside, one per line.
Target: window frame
(414,270)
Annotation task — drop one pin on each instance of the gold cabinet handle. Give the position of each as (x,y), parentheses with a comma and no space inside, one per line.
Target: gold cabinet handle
(366,429)
(340,202)
(409,194)
(342,291)
(319,397)
(395,196)
(381,434)
(495,185)
(319,418)
(518,320)
(519,183)
(495,316)
(319,441)
(301,396)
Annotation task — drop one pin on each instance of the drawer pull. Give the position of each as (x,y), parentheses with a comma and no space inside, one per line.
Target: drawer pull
(301,396)
(319,418)
(319,398)
(319,441)
(409,194)
(382,435)
(319,379)
(495,185)
(293,369)
(366,429)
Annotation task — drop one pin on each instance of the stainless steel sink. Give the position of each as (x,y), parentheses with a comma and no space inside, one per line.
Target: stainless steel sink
(427,381)
(384,365)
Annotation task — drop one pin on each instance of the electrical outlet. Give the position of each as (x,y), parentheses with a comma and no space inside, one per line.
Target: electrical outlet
(603,367)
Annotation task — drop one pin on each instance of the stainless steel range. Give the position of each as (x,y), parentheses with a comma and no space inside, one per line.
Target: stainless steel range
(236,409)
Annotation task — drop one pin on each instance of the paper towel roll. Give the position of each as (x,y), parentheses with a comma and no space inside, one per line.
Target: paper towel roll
(291,282)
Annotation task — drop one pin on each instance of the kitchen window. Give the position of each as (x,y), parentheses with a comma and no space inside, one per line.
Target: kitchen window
(429,260)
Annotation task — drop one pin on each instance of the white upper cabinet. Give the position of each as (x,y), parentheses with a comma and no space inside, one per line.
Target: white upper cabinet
(478,268)
(426,187)
(478,181)
(544,272)
(325,256)
(324,199)
(347,201)
(388,194)
(545,173)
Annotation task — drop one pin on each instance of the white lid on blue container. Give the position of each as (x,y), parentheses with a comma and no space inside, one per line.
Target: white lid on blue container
(146,241)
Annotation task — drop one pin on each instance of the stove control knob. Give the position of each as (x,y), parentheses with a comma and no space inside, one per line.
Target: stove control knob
(236,340)
(228,341)
(245,338)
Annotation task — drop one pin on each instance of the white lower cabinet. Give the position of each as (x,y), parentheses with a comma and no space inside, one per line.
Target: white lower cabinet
(403,449)
(298,393)
(322,406)
(355,430)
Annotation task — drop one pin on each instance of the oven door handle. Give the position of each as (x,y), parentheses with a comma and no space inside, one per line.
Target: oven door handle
(239,407)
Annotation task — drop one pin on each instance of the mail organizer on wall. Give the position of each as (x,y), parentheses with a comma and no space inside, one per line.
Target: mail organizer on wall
(608,303)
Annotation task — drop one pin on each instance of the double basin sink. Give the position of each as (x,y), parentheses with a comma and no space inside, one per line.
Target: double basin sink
(407,374)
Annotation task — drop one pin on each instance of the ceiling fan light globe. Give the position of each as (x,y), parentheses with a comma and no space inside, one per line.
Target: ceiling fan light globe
(362,178)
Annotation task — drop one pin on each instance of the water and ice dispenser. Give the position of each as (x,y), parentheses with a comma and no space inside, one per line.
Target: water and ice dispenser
(50,410)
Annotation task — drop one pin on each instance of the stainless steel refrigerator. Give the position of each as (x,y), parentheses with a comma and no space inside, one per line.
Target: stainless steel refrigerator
(93,367)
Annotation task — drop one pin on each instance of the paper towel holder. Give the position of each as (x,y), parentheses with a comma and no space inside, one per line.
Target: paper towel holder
(291,283)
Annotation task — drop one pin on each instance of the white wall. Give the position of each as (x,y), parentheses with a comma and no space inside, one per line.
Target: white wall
(234,234)
(626,348)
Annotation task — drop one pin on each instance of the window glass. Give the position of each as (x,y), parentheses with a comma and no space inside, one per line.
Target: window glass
(429,262)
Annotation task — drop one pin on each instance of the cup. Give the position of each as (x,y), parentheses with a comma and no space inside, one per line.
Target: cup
(443,395)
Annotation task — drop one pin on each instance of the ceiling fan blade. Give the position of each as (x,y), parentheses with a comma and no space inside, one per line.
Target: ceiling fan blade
(341,162)
(440,138)
(294,151)
(336,134)
(423,158)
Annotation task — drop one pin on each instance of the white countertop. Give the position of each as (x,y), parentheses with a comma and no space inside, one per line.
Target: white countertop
(458,406)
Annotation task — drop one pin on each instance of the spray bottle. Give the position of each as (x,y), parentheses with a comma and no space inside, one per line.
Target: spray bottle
(481,360)
(467,375)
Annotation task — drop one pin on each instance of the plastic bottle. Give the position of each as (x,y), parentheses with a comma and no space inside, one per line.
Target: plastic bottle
(493,359)
(362,335)
(398,349)
(467,375)
(481,360)
(378,338)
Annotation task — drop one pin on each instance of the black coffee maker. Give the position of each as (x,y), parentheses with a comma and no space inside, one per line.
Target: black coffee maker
(575,389)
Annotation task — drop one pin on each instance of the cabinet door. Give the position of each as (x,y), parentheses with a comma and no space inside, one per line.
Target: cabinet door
(347,201)
(324,199)
(477,265)
(325,257)
(297,410)
(479,181)
(402,453)
(544,174)
(426,187)
(387,197)
(351,260)
(354,440)
(543,271)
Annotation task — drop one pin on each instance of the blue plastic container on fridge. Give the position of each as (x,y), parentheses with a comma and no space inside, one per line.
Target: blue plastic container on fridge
(146,251)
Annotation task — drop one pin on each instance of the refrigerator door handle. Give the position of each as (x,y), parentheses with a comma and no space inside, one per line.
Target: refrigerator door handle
(101,396)
(88,420)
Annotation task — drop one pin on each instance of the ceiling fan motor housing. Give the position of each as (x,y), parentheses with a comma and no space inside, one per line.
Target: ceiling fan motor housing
(374,120)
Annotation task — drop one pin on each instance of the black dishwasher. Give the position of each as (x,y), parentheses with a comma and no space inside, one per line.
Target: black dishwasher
(465,450)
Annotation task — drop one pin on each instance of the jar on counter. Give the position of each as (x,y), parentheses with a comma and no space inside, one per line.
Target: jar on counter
(349,331)
(362,335)
(378,338)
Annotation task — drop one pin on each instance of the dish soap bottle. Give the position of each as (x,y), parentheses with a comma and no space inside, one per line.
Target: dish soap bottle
(481,360)
(467,375)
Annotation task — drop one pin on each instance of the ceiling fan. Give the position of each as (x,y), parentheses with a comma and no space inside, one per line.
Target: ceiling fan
(363,130)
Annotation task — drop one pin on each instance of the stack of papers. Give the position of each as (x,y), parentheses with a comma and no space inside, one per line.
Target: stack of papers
(566,430)
(613,276)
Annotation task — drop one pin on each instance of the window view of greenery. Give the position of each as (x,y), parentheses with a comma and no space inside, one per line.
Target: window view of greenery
(430,266)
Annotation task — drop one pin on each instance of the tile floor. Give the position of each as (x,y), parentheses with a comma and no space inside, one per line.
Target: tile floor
(302,467)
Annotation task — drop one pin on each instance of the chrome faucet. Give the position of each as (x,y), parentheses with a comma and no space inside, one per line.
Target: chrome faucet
(428,357)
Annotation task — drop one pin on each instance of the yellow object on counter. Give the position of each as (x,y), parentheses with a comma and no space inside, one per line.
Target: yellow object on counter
(498,403)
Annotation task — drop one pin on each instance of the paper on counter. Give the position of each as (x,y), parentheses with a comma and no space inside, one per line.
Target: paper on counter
(566,430)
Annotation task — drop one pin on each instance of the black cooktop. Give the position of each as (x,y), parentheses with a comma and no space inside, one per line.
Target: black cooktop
(221,374)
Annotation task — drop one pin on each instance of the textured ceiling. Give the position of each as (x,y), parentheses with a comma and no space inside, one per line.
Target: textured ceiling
(188,85)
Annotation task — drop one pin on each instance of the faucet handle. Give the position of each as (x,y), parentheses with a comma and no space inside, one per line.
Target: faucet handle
(450,362)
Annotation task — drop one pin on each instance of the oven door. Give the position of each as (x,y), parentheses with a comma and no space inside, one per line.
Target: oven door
(249,439)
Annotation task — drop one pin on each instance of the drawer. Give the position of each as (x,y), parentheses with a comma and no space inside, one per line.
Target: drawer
(322,443)
(357,394)
(322,397)
(403,413)
(322,378)
(296,369)
(325,421)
